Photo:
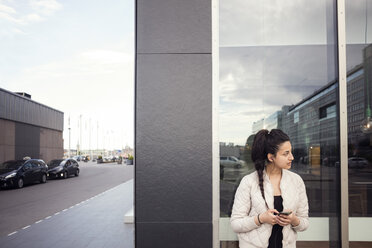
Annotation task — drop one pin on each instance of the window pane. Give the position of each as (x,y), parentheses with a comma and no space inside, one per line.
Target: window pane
(278,70)
(359,88)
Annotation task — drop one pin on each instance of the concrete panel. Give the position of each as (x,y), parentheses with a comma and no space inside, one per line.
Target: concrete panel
(51,144)
(7,152)
(7,140)
(173,138)
(174,26)
(7,132)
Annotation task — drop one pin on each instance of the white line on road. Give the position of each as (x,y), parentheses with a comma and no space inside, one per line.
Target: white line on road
(37,222)
(48,217)
(10,234)
(57,213)
(64,210)
(25,227)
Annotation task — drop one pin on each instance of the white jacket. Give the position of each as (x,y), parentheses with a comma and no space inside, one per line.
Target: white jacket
(249,203)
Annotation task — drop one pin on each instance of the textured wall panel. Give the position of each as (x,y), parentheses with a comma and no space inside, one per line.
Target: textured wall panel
(180,235)
(173,138)
(174,26)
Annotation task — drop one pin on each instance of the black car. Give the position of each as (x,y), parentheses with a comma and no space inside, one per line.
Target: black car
(17,173)
(63,168)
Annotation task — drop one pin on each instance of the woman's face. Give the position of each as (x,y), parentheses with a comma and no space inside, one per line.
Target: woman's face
(284,157)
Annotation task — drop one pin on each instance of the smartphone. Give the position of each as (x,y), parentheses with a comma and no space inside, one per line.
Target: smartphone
(285,213)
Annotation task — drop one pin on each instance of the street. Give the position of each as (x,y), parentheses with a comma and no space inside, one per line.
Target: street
(22,207)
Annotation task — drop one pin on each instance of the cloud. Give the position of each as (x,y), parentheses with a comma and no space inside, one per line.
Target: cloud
(16,14)
(107,56)
(46,7)
(7,9)
(252,23)
(33,18)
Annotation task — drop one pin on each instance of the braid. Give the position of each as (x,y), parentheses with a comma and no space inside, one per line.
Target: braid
(260,183)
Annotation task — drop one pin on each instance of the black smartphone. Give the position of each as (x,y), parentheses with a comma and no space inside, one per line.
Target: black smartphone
(285,213)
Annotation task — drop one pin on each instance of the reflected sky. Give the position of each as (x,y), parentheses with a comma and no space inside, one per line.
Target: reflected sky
(288,22)
(255,82)
(272,55)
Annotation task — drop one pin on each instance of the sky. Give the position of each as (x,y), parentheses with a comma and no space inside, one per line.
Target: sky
(76,57)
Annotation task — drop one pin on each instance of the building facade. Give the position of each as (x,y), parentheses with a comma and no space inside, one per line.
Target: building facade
(28,128)
(210,74)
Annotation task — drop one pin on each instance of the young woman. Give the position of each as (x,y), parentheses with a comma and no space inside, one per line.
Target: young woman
(270,204)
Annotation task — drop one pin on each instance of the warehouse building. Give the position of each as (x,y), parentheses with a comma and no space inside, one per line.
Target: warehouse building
(28,128)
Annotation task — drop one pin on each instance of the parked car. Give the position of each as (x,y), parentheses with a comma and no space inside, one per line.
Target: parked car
(63,168)
(231,161)
(17,173)
(355,163)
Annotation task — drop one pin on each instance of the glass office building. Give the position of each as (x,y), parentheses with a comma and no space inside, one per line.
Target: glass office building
(279,68)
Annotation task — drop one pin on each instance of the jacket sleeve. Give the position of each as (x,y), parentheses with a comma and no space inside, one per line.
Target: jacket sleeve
(302,211)
(240,221)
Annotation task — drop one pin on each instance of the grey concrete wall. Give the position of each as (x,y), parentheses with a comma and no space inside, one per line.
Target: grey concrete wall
(173,136)
(51,144)
(7,140)
(18,140)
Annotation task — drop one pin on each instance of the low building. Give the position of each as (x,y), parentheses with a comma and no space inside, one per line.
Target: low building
(28,128)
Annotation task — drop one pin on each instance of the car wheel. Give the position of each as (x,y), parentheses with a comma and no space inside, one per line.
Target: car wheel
(77,173)
(20,183)
(65,175)
(43,178)
(238,166)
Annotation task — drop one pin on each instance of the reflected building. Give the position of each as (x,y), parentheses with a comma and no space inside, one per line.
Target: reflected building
(312,125)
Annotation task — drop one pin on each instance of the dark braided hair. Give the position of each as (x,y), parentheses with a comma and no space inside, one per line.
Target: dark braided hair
(265,142)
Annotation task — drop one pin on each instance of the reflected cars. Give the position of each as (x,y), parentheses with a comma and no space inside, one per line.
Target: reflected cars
(355,163)
(63,168)
(17,173)
(231,161)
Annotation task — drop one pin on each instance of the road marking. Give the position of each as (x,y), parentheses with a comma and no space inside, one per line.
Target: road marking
(70,207)
(37,222)
(64,210)
(25,227)
(57,213)
(10,234)
(48,217)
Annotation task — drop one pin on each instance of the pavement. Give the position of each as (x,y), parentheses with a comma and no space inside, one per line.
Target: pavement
(97,222)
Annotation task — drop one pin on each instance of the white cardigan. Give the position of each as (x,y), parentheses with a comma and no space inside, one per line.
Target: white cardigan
(249,203)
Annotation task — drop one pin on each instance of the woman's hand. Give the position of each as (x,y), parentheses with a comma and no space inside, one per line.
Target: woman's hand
(269,217)
(285,220)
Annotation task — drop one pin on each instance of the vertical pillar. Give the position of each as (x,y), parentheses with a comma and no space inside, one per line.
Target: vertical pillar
(173,124)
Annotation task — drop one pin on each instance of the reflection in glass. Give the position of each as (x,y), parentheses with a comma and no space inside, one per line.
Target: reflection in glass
(278,70)
(359,88)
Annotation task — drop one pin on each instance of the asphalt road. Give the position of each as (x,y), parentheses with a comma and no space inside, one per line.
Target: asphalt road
(22,207)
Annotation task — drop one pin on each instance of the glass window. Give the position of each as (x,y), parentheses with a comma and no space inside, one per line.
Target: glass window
(278,69)
(359,81)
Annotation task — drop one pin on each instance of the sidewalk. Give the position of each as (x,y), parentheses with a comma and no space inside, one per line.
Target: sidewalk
(95,223)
